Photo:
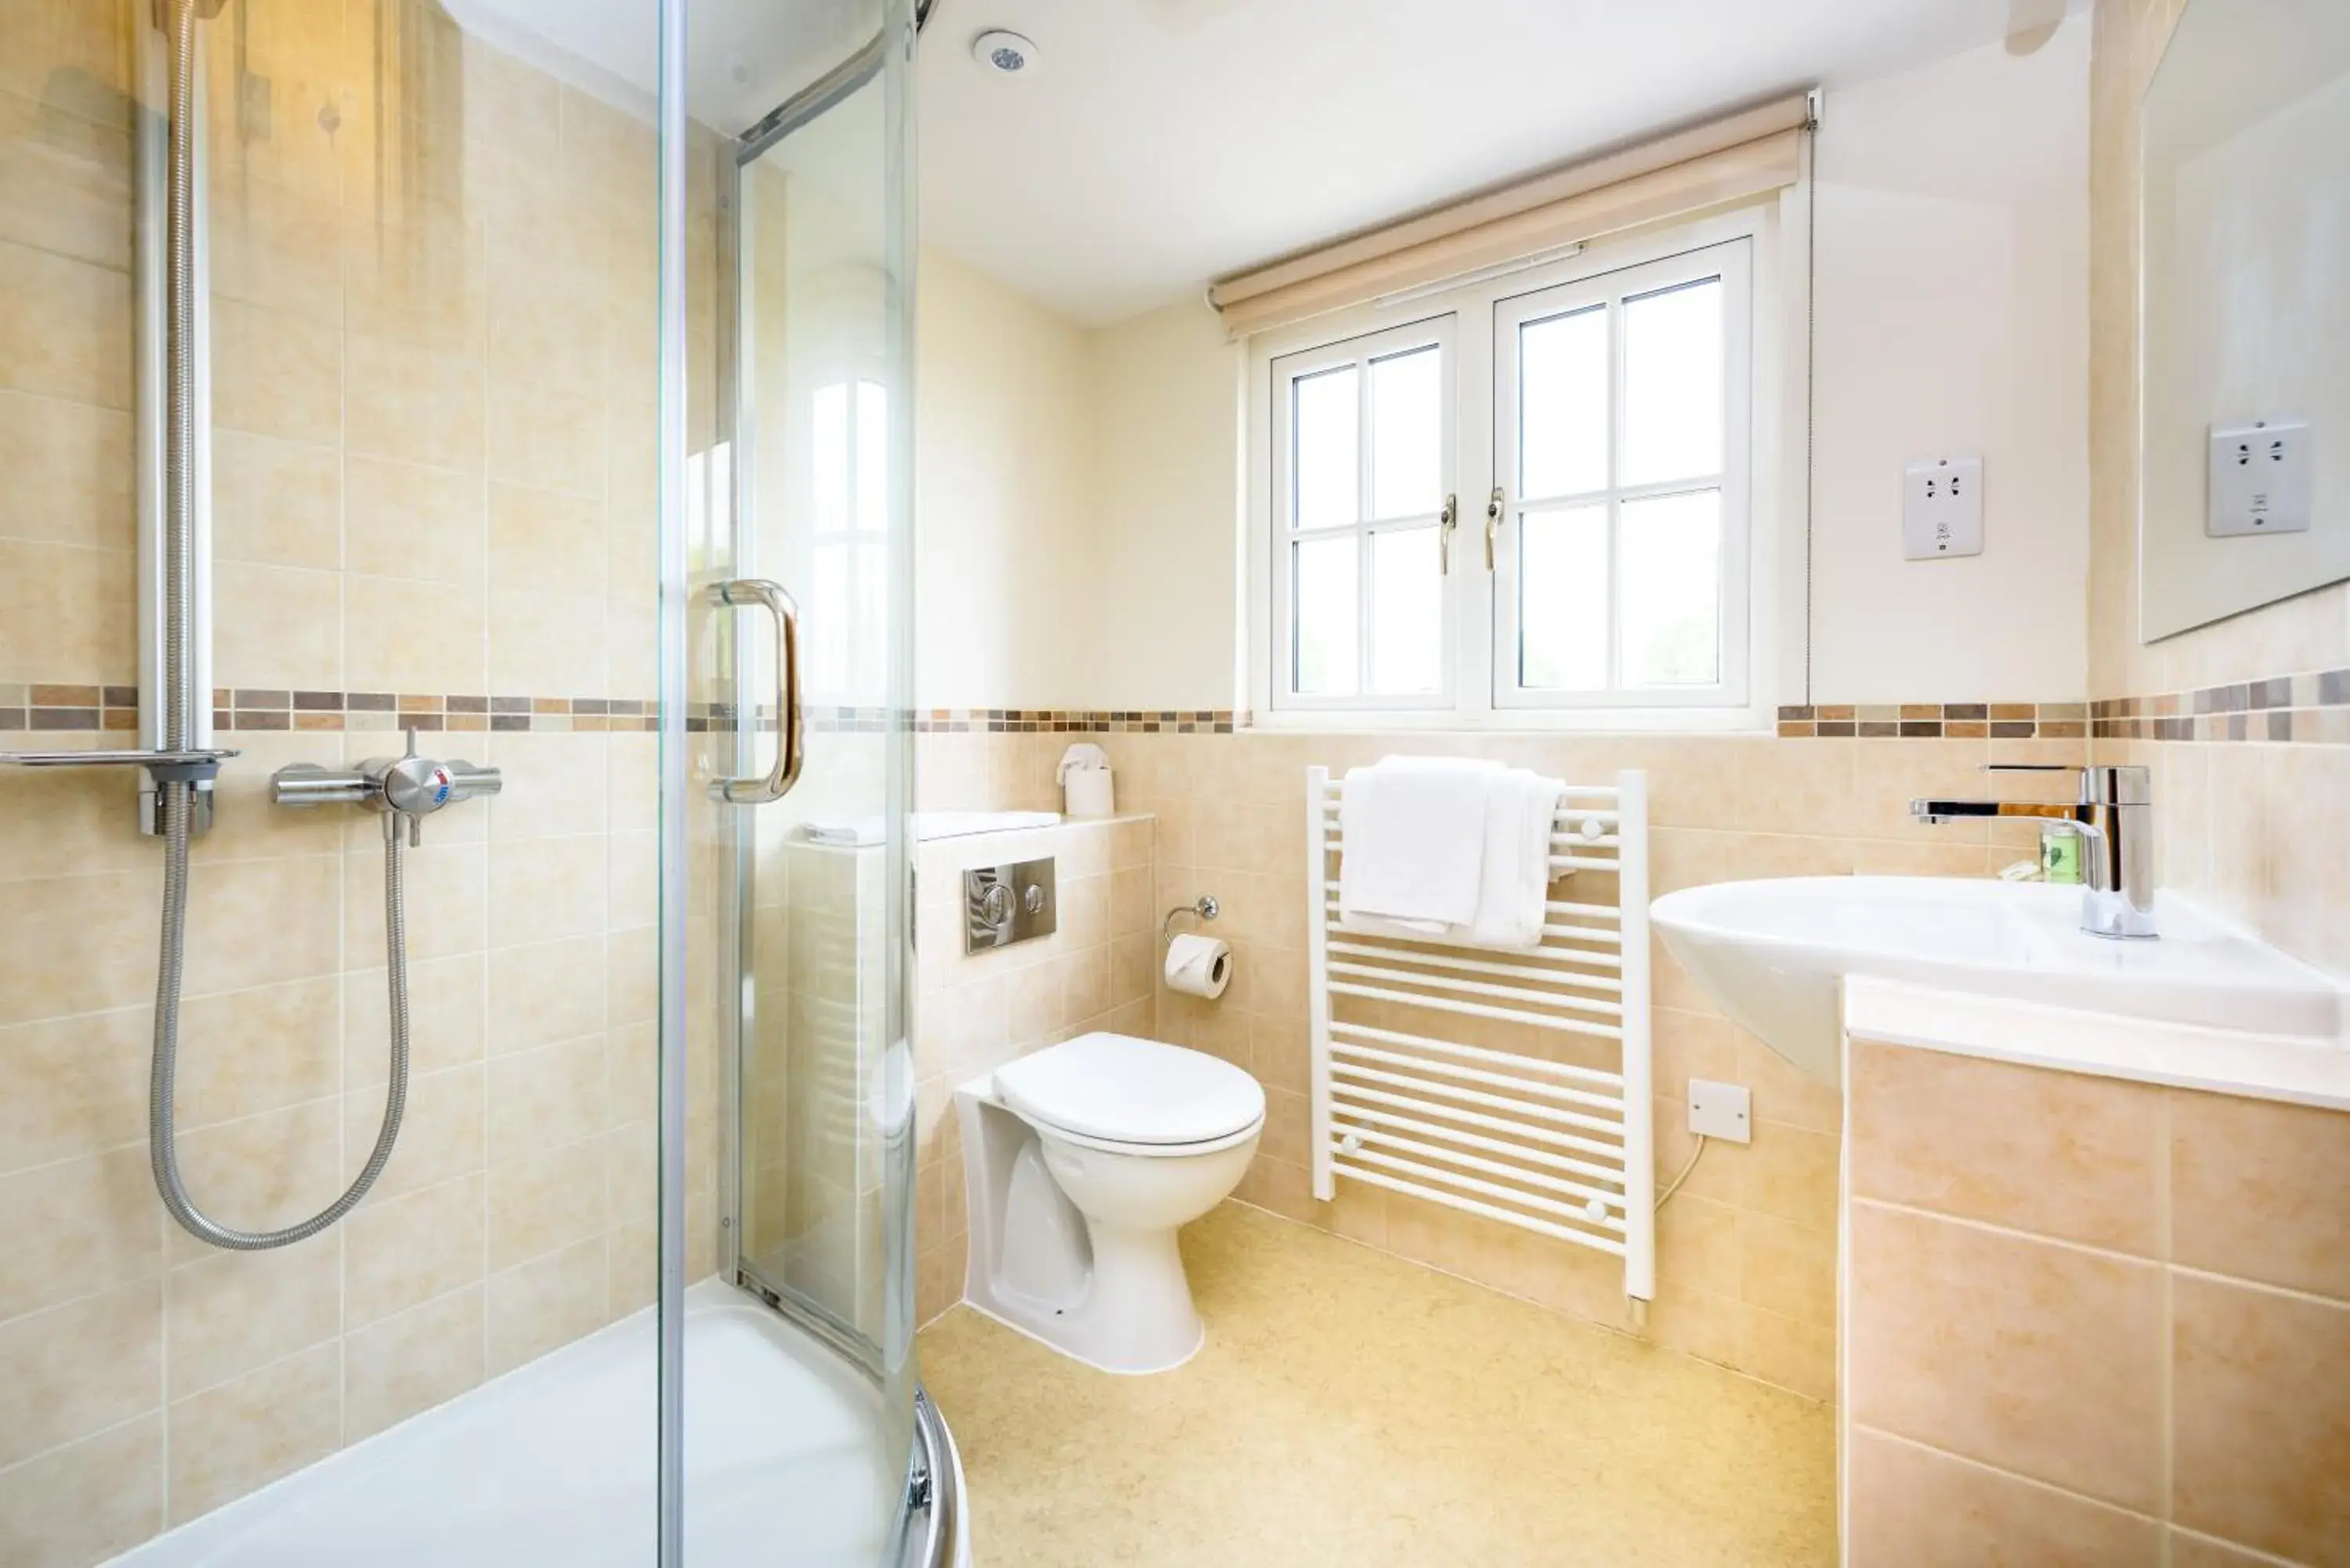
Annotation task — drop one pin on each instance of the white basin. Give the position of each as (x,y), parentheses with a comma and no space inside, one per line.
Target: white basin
(1773,955)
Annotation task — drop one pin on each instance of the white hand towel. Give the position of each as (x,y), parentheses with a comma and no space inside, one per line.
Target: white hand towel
(1513,870)
(1414,833)
(1517,860)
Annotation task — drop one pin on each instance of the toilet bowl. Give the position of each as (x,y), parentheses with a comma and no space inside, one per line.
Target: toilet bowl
(1081,1162)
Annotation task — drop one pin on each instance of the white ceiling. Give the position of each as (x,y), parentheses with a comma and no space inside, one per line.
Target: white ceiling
(1161,143)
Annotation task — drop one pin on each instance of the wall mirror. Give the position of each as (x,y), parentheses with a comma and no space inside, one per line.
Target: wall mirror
(2244,478)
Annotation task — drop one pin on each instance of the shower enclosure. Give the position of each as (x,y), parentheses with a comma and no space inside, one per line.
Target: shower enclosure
(454,522)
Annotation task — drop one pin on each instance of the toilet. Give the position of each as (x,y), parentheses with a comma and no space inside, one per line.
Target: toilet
(1081,1161)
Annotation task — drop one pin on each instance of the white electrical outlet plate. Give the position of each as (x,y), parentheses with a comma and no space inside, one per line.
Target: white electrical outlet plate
(2259,479)
(1942,508)
(1724,1111)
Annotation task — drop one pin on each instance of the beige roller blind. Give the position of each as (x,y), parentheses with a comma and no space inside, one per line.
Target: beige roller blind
(1731,158)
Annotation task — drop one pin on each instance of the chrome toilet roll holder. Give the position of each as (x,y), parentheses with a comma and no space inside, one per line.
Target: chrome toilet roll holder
(1205,909)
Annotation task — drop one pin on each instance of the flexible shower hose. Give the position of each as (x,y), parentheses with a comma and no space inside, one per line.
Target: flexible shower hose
(177,802)
(175,798)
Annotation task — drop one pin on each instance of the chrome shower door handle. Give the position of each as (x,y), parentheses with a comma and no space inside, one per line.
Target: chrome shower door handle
(791,750)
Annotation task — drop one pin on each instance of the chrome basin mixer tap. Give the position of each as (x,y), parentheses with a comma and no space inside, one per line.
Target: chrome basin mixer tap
(2113,818)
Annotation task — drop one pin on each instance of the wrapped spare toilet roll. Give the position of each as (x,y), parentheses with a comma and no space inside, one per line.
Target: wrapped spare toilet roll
(1199,966)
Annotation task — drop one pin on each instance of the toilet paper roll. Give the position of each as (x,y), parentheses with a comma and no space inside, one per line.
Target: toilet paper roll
(1199,966)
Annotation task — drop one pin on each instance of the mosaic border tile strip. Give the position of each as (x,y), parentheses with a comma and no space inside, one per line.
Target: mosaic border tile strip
(115,709)
(1070,721)
(1938,721)
(2312,708)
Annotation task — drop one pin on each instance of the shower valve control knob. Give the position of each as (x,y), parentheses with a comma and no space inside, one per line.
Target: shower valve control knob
(407,787)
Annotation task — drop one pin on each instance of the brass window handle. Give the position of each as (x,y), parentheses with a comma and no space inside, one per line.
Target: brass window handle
(1445,524)
(1492,525)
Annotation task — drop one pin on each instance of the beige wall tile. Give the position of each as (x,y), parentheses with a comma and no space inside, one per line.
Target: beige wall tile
(2190,1551)
(1787,1267)
(545,888)
(261,1172)
(2039,1359)
(2261,1414)
(546,991)
(410,522)
(1792,1352)
(446,884)
(2058,1154)
(544,1097)
(412,1361)
(229,1313)
(407,1249)
(278,629)
(2256,1192)
(274,246)
(233,1439)
(414,636)
(548,540)
(543,643)
(276,504)
(230,901)
(66,614)
(441,1138)
(65,180)
(77,944)
(74,1085)
(542,1200)
(74,1370)
(83,1504)
(69,473)
(445,1018)
(1913,1507)
(276,373)
(545,1304)
(76,1226)
(64,328)
(415,402)
(248,1052)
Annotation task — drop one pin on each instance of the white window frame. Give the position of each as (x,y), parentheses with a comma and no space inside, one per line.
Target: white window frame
(1772,607)
(1731,261)
(1438,332)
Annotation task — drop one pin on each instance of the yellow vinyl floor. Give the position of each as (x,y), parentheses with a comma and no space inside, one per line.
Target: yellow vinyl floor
(1350,1408)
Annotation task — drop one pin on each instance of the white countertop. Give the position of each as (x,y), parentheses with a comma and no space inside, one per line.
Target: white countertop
(2301,1069)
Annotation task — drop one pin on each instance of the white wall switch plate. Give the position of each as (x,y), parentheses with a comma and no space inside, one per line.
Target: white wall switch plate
(1942,508)
(1724,1111)
(2259,479)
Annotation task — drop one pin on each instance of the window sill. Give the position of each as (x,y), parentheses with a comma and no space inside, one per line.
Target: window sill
(1755,721)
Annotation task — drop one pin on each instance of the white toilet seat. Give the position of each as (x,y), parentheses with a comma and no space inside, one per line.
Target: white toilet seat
(1126,1096)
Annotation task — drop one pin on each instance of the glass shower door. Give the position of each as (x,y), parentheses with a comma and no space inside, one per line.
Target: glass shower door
(807,492)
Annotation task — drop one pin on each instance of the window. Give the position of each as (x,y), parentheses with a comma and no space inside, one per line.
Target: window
(1363,439)
(1598,425)
(849,448)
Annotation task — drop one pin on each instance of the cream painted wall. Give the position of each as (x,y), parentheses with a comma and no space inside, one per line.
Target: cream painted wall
(1952,304)
(1953,315)
(1167,436)
(1003,484)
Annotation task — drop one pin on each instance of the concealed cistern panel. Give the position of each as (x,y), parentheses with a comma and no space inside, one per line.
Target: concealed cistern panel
(1007,904)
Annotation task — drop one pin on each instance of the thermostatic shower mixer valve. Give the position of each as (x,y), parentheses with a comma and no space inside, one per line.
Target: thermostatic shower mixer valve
(404,788)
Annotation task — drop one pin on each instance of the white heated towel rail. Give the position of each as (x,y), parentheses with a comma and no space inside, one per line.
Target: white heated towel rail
(1545,1124)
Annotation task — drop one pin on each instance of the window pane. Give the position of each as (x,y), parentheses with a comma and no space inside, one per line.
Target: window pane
(1407,612)
(1563,599)
(1563,405)
(1326,655)
(872,456)
(828,613)
(1672,384)
(1326,413)
(1407,435)
(1671,594)
(828,456)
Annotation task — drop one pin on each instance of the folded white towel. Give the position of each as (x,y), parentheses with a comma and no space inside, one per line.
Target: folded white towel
(1512,860)
(1415,833)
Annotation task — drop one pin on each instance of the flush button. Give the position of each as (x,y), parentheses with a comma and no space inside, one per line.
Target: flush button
(1007,904)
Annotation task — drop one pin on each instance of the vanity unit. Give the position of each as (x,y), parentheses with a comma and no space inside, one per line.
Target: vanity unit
(2094,1286)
